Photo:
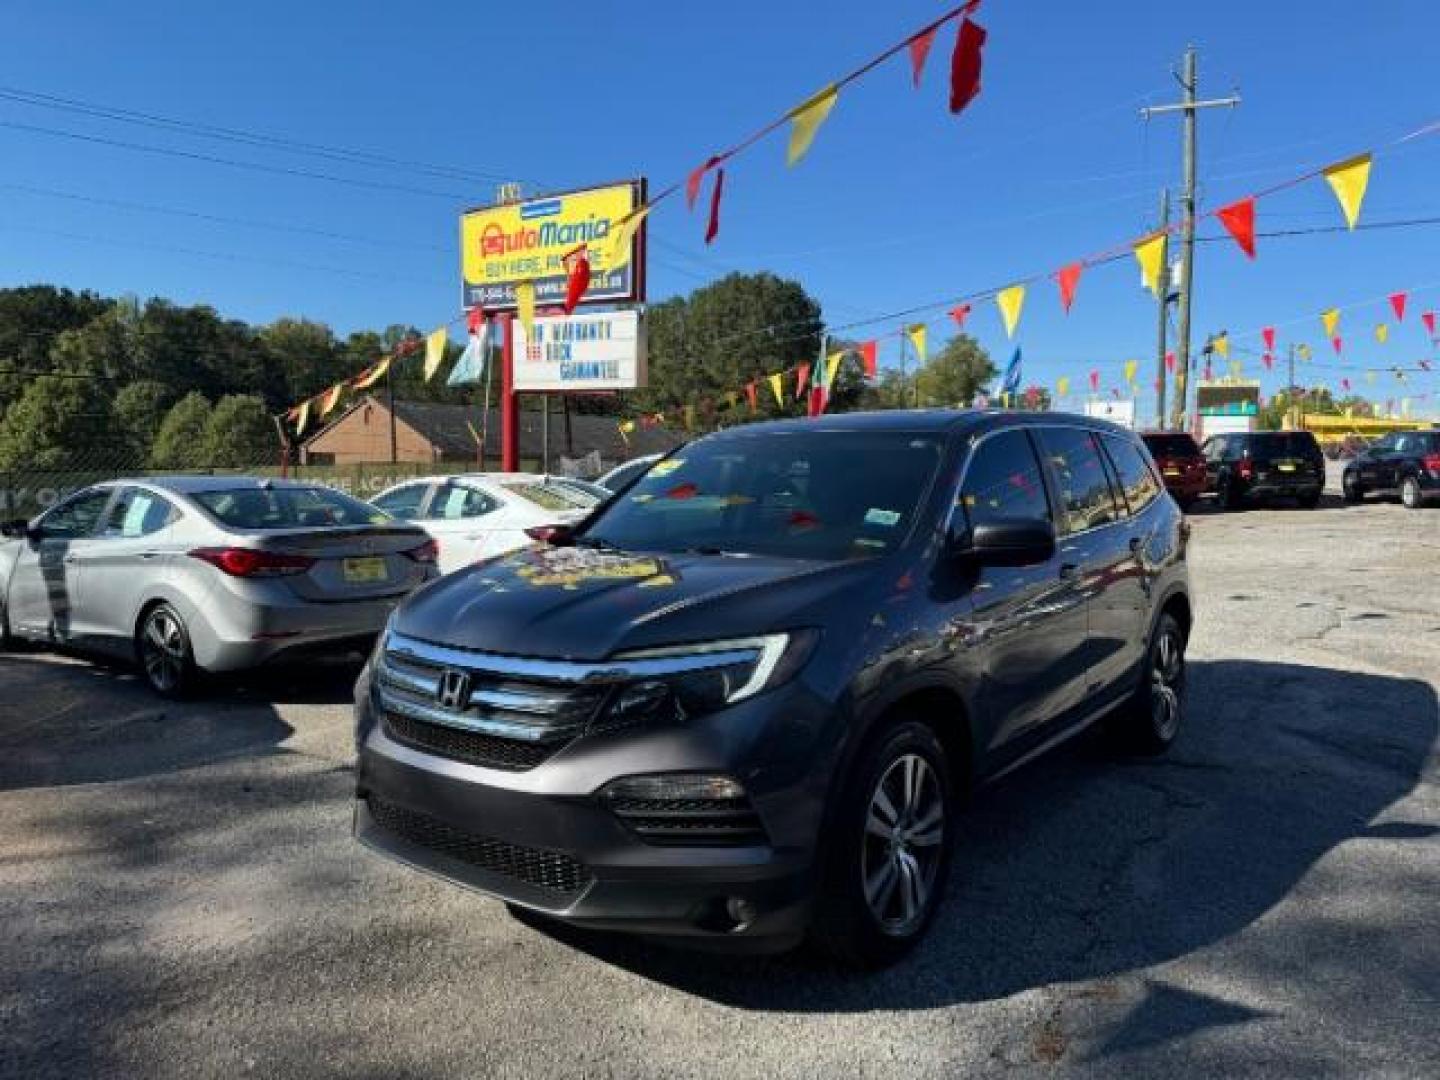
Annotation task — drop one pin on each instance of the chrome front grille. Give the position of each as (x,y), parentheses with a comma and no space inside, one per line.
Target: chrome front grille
(480,708)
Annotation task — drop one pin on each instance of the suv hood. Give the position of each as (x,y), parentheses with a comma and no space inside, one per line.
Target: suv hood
(583,604)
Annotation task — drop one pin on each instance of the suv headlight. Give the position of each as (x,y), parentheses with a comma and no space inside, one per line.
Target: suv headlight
(691,680)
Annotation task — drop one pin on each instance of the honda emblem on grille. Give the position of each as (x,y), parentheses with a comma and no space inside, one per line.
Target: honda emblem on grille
(454,690)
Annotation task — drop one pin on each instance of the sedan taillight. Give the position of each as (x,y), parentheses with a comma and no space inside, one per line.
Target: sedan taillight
(428,552)
(1431,463)
(253,562)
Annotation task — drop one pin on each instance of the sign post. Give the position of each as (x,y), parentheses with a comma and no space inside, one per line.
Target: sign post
(509,403)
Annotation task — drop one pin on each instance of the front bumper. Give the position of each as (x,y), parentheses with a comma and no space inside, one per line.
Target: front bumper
(545,840)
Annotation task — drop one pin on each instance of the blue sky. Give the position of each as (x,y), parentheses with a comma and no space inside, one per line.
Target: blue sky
(898,204)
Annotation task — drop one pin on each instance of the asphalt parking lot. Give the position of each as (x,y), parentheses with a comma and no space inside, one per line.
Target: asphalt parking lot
(180,896)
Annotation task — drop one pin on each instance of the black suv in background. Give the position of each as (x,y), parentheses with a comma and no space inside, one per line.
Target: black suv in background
(1257,466)
(1405,462)
(745,700)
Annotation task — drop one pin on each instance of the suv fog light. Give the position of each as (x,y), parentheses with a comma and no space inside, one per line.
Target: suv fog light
(675,786)
(741,913)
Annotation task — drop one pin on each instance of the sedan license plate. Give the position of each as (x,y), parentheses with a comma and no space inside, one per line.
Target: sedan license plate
(1172,472)
(1286,466)
(364,571)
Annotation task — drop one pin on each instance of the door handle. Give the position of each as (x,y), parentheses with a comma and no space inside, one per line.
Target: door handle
(1068,570)
(1135,543)
(149,554)
(71,559)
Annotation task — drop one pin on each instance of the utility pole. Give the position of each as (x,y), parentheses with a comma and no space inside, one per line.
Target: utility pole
(1162,337)
(1189,107)
(1290,390)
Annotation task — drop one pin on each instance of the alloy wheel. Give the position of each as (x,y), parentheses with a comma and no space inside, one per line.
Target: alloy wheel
(1410,493)
(1167,678)
(903,845)
(163,650)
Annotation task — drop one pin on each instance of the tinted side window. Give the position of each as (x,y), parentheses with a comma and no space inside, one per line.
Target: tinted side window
(77,517)
(137,513)
(1085,497)
(454,501)
(1137,482)
(403,502)
(1004,481)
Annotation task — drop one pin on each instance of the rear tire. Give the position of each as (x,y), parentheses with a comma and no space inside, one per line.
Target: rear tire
(164,654)
(886,867)
(1410,494)
(1350,489)
(8,641)
(1230,497)
(1185,502)
(1310,502)
(1149,722)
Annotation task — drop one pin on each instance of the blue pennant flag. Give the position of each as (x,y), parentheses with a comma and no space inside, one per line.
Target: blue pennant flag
(471,364)
(1010,384)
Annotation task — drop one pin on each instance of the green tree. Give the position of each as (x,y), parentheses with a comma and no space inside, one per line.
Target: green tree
(58,423)
(180,442)
(240,433)
(31,317)
(955,374)
(139,409)
(305,355)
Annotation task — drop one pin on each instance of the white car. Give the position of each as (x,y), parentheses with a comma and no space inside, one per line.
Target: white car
(474,516)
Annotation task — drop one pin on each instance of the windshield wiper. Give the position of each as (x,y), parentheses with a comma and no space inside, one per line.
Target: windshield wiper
(709,549)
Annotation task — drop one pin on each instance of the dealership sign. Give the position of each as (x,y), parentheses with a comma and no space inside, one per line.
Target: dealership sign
(583,352)
(501,246)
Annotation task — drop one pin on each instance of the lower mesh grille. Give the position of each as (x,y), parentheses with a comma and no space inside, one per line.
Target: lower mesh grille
(691,822)
(557,874)
(471,747)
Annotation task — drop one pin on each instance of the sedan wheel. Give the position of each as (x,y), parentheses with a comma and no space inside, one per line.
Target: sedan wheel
(1167,673)
(1350,488)
(165,656)
(904,838)
(1410,493)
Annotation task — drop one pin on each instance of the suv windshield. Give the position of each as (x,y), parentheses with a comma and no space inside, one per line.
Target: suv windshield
(1171,445)
(821,495)
(1281,444)
(288,508)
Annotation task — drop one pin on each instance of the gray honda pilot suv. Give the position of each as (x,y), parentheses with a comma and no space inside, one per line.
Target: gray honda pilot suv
(745,700)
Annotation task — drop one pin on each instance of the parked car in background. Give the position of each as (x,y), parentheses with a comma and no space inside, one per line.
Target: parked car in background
(1182,465)
(203,574)
(474,516)
(1406,463)
(1257,466)
(744,700)
(624,473)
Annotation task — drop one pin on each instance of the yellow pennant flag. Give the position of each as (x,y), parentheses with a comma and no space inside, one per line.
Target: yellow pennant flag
(369,378)
(1130,366)
(525,308)
(1369,376)
(435,351)
(689,417)
(805,121)
(832,365)
(331,399)
(777,387)
(916,334)
(1010,301)
(1062,385)
(1348,180)
(1235,367)
(1382,333)
(620,241)
(1150,254)
(1330,319)
(303,420)
(1303,351)
(1222,345)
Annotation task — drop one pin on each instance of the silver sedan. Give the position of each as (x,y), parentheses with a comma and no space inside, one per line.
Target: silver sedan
(195,574)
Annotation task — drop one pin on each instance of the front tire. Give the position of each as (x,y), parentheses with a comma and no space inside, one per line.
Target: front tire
(1310,502)
(1350,489)
(885,872)
(166,659)
(1410,495)
(1230,495)
(1149,722)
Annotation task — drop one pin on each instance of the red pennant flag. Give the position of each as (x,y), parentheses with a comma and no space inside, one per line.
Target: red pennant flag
(1428,318)
(965,63)
(1269,335)
(1345,385)
(474,319)
(1068,278)
(959,313)
(713,228)
(750,394)
(1397,304)
(817,401)
(579,281)
(1094,379)
(1115,392)
(1209,371)
(1268,361)
(694,180)
(1239,219)
(1170,362)
(869,359)
(920,51)
(802,376)
(1335,341)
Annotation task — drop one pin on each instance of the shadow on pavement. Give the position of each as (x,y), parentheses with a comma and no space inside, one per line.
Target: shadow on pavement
(1082,867)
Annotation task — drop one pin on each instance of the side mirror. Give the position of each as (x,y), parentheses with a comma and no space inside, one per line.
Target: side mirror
(16,529)
(1008,542)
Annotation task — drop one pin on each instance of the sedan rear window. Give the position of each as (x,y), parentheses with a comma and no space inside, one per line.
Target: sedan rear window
(288,508)
(550,496)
